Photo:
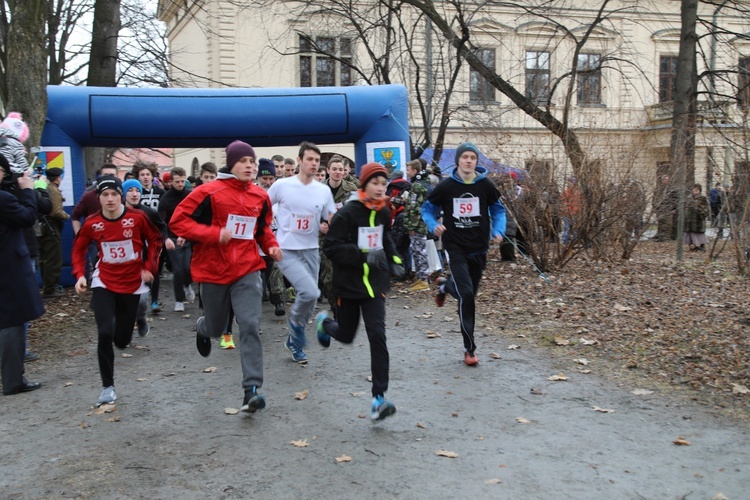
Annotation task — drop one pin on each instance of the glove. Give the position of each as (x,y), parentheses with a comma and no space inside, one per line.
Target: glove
(376,258)
(397,271)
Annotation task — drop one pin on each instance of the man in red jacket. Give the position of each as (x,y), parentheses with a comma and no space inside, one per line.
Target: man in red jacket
(120,275)
(226,220)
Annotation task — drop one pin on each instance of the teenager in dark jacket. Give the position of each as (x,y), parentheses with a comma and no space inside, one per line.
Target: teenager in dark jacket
(472,215)
(363,255)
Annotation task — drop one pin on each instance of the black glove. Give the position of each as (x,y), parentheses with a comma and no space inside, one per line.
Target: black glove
(376,258)
(397,271)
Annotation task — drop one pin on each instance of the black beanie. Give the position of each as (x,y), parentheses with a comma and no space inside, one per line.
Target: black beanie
(108,182)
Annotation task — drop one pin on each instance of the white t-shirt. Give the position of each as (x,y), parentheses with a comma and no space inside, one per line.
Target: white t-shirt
(300,208)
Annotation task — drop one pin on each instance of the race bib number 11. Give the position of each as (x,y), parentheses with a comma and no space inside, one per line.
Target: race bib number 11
(242,227)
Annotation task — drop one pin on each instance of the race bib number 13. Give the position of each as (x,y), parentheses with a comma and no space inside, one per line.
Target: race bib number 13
(242,227)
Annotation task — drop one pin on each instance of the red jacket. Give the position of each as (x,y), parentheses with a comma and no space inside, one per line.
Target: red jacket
(122,244)
(201,216)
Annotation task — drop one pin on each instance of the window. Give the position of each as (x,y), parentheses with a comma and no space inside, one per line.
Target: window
(537,76)
(743,83)
(667,78)
(589,79)
(325,61)
(480,88)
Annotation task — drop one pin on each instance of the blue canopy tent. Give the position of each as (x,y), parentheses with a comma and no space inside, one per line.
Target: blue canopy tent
(447,163)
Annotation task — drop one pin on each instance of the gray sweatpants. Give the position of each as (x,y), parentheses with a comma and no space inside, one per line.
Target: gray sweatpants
(245,296)
(301,268)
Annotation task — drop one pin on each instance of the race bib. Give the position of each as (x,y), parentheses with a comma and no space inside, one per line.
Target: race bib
(118,252)
(302,223)
(370,238)
(466,207)
(242,227)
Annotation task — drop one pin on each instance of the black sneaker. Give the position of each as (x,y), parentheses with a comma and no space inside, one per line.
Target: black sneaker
(253,401)
(202,343)
(279,309)
(143,327)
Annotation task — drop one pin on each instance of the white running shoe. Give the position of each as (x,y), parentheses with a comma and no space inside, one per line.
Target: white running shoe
(179,307)
(189,293)
(108,396)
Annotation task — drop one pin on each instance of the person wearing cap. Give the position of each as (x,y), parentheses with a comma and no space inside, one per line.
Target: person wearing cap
(364,256)
(166,180)
(19,297)
(413,222)
(180,256)
(132,189)
(273,280)
(13,134)
(571,201)
(302,203)
(129,246)
(227,221)
(50,241)
(472,216)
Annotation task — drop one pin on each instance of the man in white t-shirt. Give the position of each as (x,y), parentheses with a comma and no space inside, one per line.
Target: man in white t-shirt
(302,204)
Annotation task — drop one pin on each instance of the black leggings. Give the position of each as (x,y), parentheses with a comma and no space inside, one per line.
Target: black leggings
(345,328)
(115,315)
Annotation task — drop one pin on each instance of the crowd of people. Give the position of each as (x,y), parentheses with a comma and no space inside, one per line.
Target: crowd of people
(281,229)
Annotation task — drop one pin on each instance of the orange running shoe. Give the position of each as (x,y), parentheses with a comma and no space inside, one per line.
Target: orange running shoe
(470,358)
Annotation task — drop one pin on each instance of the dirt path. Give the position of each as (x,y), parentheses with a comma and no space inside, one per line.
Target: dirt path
(173,439)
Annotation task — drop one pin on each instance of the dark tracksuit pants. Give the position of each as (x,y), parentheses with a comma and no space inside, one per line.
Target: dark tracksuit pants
(115,315)
(50,253)
(180,259)
(463,284)
(344,330)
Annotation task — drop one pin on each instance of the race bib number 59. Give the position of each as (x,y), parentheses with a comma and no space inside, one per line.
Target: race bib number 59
(466,207)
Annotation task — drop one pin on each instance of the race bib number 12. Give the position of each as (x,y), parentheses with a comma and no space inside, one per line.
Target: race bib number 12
(370,238)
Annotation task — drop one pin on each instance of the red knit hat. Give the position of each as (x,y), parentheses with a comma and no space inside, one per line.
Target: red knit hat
(166,177)
(370,170)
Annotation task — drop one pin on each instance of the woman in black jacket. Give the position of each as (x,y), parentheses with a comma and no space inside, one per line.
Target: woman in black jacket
(363,256)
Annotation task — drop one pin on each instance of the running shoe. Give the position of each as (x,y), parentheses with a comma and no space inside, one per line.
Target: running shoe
(323,337)
(143,327)
(108,396)
(227,342)
(30,356)
(470,358)
(202,343)
(155,309)
(419,286)
(253,401)
(440,295)
(381,408)
(189,293)
(297,353)
(278,309)
(179,307)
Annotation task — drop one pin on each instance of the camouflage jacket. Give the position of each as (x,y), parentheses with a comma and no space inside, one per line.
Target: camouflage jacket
(413,208)
(342,196)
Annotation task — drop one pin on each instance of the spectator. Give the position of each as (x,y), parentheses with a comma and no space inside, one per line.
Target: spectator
(696,212)
(50,241)
(19,298)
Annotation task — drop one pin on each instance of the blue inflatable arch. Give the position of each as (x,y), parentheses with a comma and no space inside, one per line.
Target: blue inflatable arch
(79,117)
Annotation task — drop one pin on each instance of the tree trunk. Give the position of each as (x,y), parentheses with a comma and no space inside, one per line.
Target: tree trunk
(103,62)
(26,73)
(683,118)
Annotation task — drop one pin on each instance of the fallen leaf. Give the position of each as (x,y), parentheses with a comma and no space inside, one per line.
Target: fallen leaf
(421,425)
(301,395)
(67,384)
(433,335)
(719,496)
(622,308)
(162,319)
(369,378)
(126,355)
(642,392)
(602,410)
(210,369)
(495,355)
(302,443)
(447,318)
(588,342)
(116,418)
(522,420)
(585,372)
(357,394)
(141,347)
(61,315)
(186,316)
(740,389)
(536,392)
(231,411)
(105,408)
(343,458)
(582,361)
(681,441)
(558,377)
(513,347)
(446,453)
(141,379)
(493,481)
(562,341)
(454,414)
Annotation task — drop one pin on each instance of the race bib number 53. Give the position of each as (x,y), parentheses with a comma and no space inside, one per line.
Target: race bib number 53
(118,252)
(242,227)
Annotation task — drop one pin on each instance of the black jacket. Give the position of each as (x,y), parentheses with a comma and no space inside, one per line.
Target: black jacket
(353,278)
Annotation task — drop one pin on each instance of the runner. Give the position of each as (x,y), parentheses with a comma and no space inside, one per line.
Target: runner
(227,220)
(124,267)
(360,247)
(470,203)
(302,204)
